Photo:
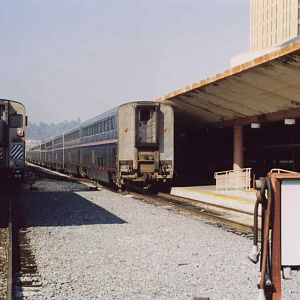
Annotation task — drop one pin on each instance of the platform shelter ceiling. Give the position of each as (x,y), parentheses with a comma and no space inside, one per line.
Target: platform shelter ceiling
(262,90)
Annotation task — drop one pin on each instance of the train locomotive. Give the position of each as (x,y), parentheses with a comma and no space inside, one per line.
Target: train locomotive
(12,144)
(133,143)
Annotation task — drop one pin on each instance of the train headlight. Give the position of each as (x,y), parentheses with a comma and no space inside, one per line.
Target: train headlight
(20,133)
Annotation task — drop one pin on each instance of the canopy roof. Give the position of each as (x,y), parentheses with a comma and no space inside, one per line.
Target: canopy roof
(262,90)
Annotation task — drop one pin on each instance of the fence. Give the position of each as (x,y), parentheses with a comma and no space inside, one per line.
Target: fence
(233,179)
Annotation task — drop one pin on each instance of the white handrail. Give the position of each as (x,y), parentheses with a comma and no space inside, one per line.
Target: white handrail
(233,179)
(282,171)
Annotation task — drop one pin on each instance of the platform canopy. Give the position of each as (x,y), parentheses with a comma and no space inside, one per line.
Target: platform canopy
(265,89)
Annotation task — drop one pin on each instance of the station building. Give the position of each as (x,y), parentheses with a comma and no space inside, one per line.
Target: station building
(273,22)
(247,117)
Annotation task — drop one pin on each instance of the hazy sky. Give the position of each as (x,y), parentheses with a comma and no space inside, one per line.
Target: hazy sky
(78,58)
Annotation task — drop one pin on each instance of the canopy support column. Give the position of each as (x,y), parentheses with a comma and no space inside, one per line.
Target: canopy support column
(238,148)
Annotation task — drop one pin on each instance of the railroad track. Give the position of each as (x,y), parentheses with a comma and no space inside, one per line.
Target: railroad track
(18,272)
(10,253)
(6,248)
(3,261)
(234,219)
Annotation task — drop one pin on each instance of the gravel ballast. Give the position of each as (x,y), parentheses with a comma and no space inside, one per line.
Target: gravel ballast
(103,245)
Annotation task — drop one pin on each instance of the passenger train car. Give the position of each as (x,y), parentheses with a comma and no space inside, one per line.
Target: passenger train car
(12,132)
(131,143)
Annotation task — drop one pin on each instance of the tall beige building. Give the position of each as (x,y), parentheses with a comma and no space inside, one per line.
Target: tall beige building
(273,22)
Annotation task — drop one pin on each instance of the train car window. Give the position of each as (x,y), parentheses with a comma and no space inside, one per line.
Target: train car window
(16,121)
(72,136)
(146,122)
(56,141)
(112,123)
(109,124)
(145,115)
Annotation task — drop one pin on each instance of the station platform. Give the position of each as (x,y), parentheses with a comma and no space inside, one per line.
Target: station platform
(243,200)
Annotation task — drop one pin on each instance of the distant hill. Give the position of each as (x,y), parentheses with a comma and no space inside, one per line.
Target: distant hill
(44,131)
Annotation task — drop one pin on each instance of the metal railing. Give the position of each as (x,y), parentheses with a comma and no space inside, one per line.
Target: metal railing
(282,171)
(233,179)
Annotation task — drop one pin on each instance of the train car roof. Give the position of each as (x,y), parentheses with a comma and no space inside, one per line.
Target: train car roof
(102,116)
(105,115)
(14,101)
(88,122)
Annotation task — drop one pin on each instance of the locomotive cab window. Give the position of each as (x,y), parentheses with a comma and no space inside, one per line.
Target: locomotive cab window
(15,121)
(146,126)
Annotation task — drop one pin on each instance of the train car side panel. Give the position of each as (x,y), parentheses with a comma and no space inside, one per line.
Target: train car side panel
(127,154)
(166,136)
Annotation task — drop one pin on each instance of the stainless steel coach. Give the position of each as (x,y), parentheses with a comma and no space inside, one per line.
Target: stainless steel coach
(131,143)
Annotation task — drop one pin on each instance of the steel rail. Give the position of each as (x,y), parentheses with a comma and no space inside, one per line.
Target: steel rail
(195,210)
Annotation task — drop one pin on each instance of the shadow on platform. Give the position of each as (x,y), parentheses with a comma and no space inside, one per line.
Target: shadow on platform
(63,209)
